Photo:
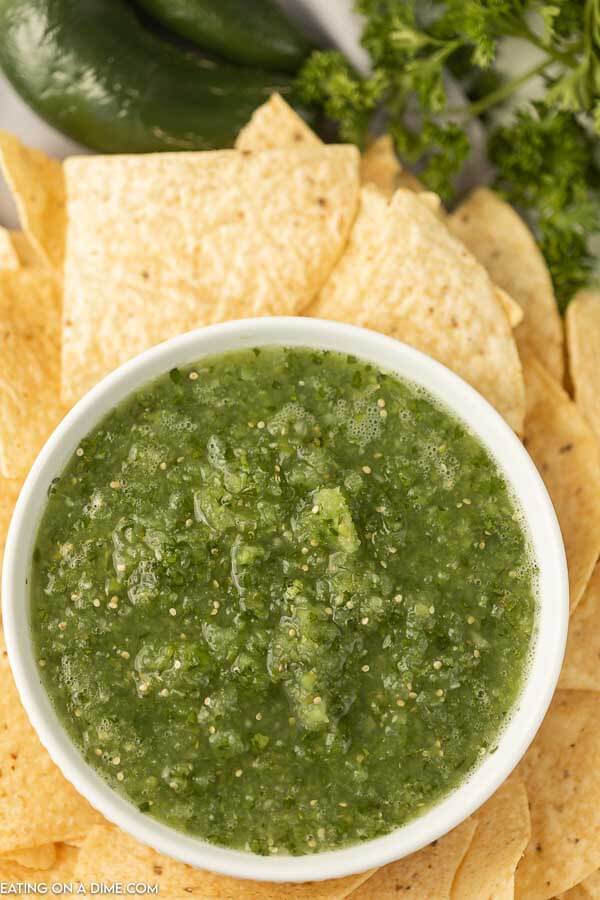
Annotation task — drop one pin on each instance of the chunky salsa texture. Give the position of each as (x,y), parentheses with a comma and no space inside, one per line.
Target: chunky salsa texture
(282,600)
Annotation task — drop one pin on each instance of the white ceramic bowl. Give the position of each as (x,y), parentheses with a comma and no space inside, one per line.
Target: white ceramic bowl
(547,642)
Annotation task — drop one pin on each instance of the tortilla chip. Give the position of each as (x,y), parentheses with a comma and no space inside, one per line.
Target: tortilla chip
(381,169)
(240,235)
(109,855)
(409,182)
(581,668)
(38,187)
(77,841)
(9,491)
(428,873)
(9,258)
(38,805)
(514,312)
(583,341)
(274,125)
(30,371)
(380,166)
(564,450)
(561,771)
(506,892)
(333,301)
(61,871)
(502,242)
(587,890)
(28,256)
(503,831)
(43,857)
(404,274)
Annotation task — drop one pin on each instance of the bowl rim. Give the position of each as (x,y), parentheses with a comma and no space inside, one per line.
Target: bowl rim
(548,639)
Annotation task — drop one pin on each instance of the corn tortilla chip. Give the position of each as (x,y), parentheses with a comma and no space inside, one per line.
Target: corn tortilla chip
(274,125)
(77,841)
(589,889)
(9,491)
(583,341)
(502,242)
(38,805)
(9,258)
(381,169)
(581,668)
(503,831)
(561,771)
(28,256)
(506,892)
(334,301)
(109,855)
(30,372)
(38,187)
(564,450)
(404,274)
(240,235)
(61,871)
(43,857)
(409,182)
(380,166)
(426,874)
(514,313)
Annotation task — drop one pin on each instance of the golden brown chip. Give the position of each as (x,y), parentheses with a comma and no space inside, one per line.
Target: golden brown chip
(581,668)
(564,450)
(334,301)
(583,341)
(109,855)
(409,182)
(61,871)
(404,274)
(43,857)
(380,166)
(30,373)
(28,256)
(498,237)
(9,491)
(9,258)
(38,187)
(503,831)
(38,805)
(274,125)
(77,841)
(561,771)
(160,244)
(506,892)
(589,889)
(514,313)
(427,874)
(381,169)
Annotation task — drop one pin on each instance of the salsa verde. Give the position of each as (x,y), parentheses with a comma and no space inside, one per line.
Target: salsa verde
(282,600)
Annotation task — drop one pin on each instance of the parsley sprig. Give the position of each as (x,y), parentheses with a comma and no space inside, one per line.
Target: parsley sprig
(545,158)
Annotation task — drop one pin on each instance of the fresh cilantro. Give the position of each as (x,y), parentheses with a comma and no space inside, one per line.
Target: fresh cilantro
(546,157)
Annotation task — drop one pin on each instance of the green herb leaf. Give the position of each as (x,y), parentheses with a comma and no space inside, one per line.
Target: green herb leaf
(545,158)
(547,167)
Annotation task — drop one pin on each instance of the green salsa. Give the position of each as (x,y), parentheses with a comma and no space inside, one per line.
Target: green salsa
(282,600)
